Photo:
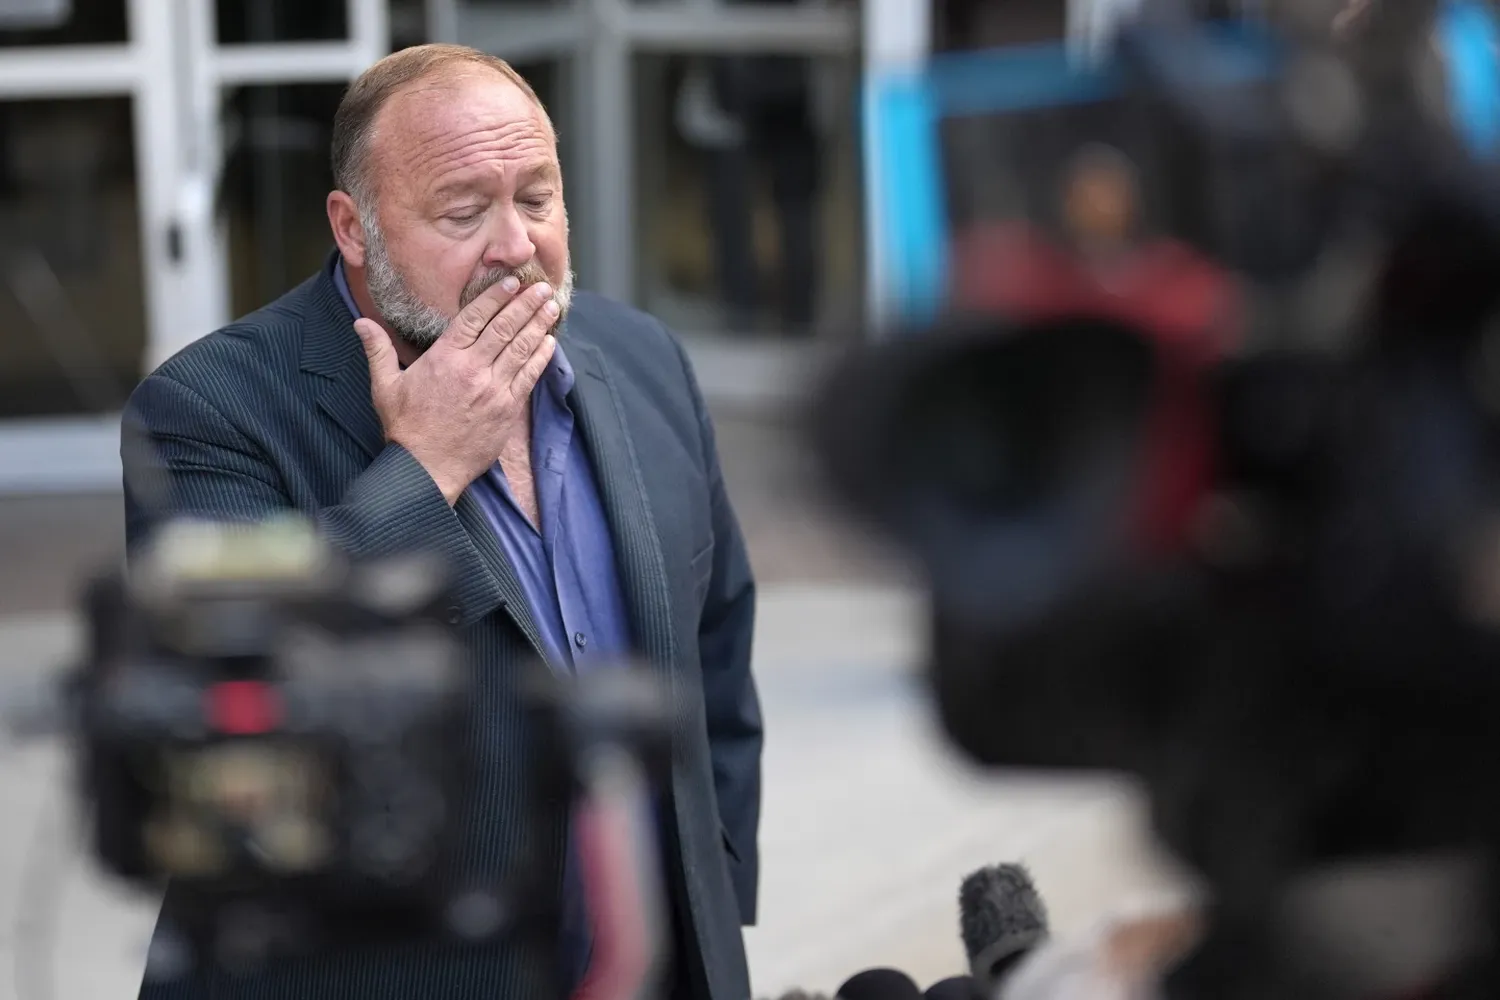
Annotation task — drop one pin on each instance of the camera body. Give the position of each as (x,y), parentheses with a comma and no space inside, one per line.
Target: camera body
(277,735)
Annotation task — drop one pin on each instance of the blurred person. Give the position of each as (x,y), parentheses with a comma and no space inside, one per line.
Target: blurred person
(1101,260)
(439,385)
(741,111)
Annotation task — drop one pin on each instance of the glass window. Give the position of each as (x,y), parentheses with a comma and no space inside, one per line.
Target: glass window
(72,312)
(408,23)
(276,179)
(259,21)
(749,217)
(50,22)
(962,25)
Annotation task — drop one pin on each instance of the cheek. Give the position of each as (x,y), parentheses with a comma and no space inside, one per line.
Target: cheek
(438,266)
(551,242)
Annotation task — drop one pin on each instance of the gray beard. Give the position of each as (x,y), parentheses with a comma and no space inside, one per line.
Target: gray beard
(420,324)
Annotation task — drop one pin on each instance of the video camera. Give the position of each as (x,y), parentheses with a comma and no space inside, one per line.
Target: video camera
(1179,520)
(279,736)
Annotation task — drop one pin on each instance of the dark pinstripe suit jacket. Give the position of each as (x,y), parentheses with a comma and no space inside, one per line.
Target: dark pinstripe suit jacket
(274,412)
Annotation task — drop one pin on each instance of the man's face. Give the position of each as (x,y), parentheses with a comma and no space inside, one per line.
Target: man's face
(467,189)
(1100,202)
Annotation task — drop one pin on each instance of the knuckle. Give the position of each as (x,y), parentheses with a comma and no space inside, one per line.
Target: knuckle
(501,327)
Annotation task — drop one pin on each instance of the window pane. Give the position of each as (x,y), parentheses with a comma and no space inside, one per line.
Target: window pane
(72,312)
(961,25)
(253,21)
(750,214)
(48,22)
(276,179)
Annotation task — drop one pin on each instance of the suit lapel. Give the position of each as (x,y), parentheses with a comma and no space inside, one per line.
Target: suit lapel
(332,351)
(638,554)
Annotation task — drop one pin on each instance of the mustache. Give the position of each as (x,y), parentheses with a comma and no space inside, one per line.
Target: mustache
(529,273)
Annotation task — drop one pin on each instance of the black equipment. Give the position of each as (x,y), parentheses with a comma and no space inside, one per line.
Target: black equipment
(275,732)
(1263,576)
(281,735)
(1001,918)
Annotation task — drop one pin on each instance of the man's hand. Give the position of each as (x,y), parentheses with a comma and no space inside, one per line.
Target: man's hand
(456,407)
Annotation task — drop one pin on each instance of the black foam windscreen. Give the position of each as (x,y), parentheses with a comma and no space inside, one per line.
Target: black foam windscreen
(879,984)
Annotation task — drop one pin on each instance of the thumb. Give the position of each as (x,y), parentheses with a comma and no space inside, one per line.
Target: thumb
(381,353)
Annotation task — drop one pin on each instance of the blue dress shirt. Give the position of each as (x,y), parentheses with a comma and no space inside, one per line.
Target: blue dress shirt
(567,570)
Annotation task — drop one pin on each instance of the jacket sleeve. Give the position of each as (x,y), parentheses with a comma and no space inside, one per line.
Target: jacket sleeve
(182,457)
(731,702)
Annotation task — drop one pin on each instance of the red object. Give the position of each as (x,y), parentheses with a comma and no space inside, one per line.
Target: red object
(621,963)
(1181,298)
(1186,305)
(243,708)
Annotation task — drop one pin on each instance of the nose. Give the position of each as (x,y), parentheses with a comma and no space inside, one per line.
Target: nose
(509,245)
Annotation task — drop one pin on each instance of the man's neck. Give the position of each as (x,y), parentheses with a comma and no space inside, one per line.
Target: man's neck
(406,352)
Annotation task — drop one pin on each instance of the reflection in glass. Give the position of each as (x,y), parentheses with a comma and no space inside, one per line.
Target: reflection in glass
(750,202)
(72,312)
(276,180)
(83,22)
(979,24)
(260,21)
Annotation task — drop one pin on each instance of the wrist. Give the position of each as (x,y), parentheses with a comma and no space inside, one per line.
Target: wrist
(450,483)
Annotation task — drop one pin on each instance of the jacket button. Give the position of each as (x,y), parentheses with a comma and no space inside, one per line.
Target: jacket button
(580,640)
(455,614)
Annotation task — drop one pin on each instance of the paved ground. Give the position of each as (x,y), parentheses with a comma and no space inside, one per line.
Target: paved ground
(869,823)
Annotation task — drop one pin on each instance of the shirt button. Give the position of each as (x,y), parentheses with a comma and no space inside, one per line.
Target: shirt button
(580,640)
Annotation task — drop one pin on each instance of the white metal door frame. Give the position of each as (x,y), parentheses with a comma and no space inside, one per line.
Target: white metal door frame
(175,71)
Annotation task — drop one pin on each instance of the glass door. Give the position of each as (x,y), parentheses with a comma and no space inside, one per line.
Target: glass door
(711,155)
(79,109)
(118,119)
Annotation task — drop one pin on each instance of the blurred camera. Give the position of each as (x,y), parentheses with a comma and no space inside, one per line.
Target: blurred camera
(278,734)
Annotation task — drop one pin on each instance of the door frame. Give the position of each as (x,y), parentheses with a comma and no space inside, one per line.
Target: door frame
(175,73)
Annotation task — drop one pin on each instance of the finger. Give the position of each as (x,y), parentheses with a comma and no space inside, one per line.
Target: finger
(531,372)
(474,318)
(510,321)
(524,344)
(385,367)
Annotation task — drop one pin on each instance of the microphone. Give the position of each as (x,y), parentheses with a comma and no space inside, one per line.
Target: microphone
(879,984)
(1001,919)
(955,988)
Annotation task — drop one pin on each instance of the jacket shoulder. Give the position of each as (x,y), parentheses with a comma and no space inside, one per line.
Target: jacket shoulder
(634,343)
(264,343)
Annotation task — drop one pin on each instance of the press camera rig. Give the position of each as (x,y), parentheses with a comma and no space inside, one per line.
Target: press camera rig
(280,737)
(1242,545)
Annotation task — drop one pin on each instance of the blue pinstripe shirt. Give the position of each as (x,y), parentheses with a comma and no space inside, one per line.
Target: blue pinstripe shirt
(567,569)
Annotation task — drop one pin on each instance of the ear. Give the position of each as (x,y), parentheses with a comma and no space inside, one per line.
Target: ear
(348,233)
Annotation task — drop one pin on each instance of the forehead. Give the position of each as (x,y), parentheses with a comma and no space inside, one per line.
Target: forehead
(460,122)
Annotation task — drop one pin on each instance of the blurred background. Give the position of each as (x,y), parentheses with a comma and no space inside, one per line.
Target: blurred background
(163,166)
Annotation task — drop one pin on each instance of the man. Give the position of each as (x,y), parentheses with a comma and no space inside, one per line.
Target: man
(439,386)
